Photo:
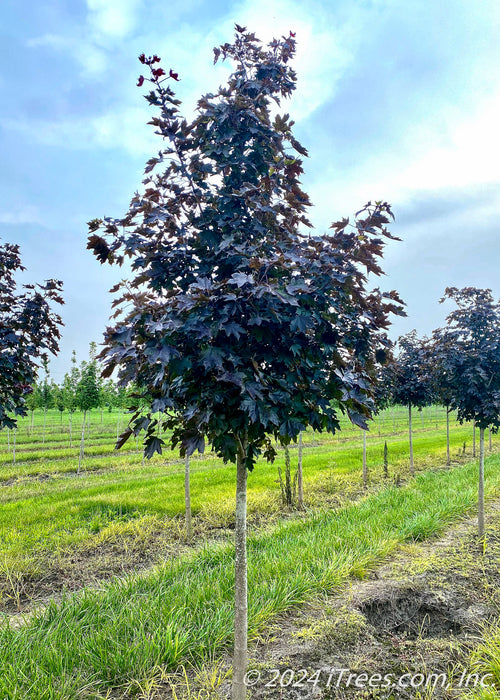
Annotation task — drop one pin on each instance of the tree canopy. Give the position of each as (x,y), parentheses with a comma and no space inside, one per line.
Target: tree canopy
(237,321)
(470,351)
(29,329)
(412,381)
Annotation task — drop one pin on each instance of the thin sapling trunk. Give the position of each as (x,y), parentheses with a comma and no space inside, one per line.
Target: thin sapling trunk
(240,660)
(82,442)
(300,484)
(187,499)
(480,508)
(448,460)
(412,469)
(365,470)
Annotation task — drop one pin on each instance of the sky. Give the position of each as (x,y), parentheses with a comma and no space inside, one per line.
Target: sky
(397,100)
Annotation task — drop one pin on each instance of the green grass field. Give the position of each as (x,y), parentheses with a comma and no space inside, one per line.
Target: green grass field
(47,508)
(125,636)
(132,630)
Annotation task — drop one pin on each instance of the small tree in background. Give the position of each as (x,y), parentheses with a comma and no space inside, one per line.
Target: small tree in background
(87,398)
(33,401)
(29,329)
(108,392)
(412,385)
(383,398)
(70,386)
(58,398)
(46,397)
(238,327)
(442,358)
(473,328)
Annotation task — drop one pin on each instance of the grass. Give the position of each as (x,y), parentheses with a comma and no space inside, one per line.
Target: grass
(39,516)
(486,664)
(138,627)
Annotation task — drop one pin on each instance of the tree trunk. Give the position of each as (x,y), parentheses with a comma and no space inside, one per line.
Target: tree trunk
(473,438)
(288,479)
(80,456)
(448,460)
(240,660)
(14,446)
(71,430)
(365,471)
(300,483)
(480,507)
(187,500)
(412,469)
(491,446)
(44,421)
(386,461)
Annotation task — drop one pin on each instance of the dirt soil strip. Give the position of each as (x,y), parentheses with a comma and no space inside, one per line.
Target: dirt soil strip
(406,631)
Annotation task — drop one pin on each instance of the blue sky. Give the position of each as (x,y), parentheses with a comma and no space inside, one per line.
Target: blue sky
(397,100)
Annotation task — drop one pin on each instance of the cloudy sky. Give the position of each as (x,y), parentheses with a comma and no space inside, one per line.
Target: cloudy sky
(397,100)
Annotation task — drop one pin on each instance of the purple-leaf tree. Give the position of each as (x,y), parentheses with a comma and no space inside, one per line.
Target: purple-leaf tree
(239,325)
(443,357)
(29,329)
(473,368)
(412,385)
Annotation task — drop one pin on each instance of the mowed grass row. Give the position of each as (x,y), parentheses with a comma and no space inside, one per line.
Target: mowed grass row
(38,443)
(182,612)
(34,457)
(42,517)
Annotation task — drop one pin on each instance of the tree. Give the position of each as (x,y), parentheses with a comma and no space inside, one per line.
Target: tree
(33,401)
(383,397)
(58,398)
(46,397)
(473,369)
(70,386)
(29,329)
(239,327)
(412,380)
(442,359)
(87,397)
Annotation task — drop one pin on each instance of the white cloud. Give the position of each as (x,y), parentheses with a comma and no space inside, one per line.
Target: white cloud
(26,214)
(121,129)
(91,58)
(323,52)
(458,152)
(113,19)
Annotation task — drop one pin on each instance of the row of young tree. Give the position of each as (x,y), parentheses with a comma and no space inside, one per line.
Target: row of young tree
(457,367)
(240,327)
(82,389)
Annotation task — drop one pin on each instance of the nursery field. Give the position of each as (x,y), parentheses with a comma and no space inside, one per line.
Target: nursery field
(48,508)
(171,604)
